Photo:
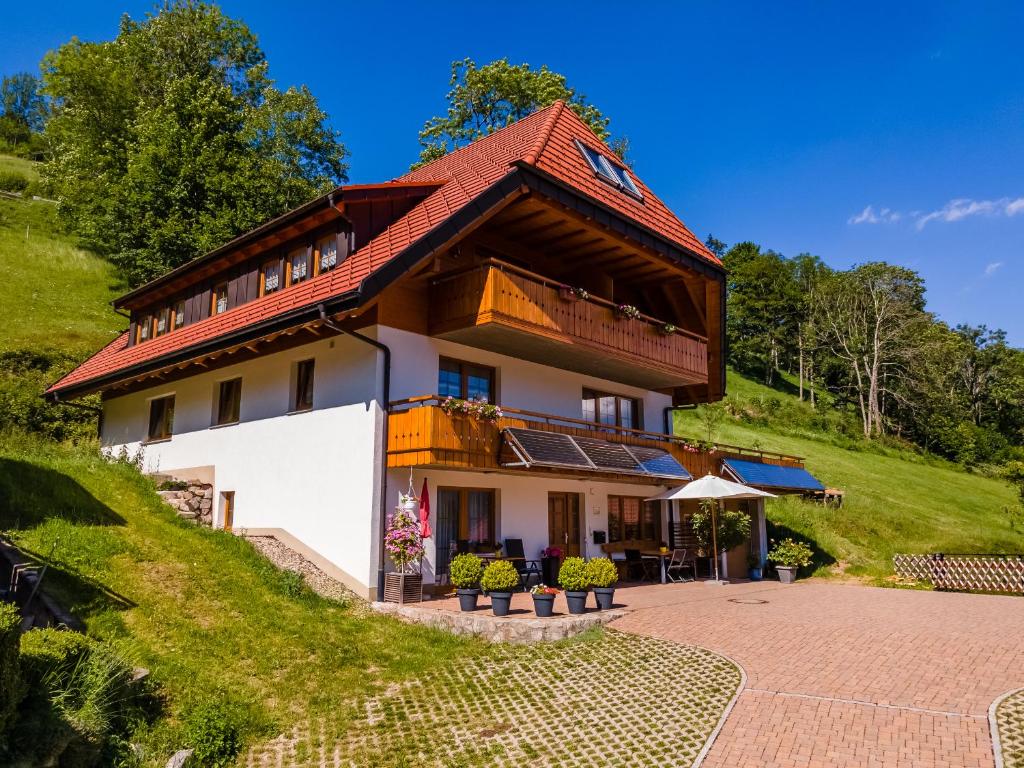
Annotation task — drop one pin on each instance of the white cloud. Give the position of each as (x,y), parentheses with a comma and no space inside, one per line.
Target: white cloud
(962,208)
(870,216)
(991,269)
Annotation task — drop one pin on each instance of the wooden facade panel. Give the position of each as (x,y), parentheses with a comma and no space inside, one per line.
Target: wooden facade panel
(498,293)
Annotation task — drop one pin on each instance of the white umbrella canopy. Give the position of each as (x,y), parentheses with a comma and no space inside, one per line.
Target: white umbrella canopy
(717,488)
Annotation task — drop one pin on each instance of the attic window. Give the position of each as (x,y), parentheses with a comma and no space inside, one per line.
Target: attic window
(609,171)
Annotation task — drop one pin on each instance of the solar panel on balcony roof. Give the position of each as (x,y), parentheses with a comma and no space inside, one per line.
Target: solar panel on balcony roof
(548,448)
(658,462)
(607,455)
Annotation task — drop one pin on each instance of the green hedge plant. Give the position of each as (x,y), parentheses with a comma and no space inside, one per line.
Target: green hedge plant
(51,654)
(791,554)
(601,572)
(499,576)
(573,575)
(11,684)
(465,571)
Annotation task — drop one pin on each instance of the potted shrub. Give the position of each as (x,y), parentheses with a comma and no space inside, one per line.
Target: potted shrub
(789,556)
(602,575)
(574,579)
(754,567)
(499,579)
(543,600)
(464,573)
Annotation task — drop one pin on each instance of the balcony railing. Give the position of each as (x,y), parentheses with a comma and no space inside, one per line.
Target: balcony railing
(536,318)
(422,434)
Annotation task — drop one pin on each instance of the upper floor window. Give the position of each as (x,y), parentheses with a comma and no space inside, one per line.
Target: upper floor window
(610,171)
(613,410)
(229,401)
(144,328)
(466,381)
(219,299)
(302,389)
(163,322)
(179,314)
(328,250)
(270,276)
(298,265)
(161,418)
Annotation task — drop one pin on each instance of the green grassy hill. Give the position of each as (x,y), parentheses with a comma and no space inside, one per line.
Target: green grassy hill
(896,500)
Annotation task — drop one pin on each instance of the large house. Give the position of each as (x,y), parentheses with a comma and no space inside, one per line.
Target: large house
(309,369)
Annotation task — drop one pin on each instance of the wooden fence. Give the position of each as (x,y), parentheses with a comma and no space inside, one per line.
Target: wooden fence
(965,573)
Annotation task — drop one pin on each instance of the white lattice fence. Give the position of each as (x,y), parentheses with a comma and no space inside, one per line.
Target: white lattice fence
(980,573)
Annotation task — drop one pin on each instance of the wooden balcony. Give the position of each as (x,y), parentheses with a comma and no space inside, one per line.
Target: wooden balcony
(505,309)
(421,434)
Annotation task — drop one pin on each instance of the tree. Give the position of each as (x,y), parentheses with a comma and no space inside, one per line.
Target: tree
(868,316)
(808,272)
(715,245)
(22,110)
(171,139)
(485,99)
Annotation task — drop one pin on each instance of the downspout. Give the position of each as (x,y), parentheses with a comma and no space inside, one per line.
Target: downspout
(385,407)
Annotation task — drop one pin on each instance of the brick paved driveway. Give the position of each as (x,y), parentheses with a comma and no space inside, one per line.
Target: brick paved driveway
(842,675)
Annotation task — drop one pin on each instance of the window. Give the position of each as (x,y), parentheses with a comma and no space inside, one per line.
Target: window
(298,265)
(302,397)
(270,277)
(144,328)
(179,314)
(161,418)
(610,171)
(613,410)
(328,253)
(229,401)
(630,518)
(466,514)
(163,322)
(219,299)
(466,381)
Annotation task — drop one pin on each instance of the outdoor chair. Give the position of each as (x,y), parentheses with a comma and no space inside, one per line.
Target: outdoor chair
(636,564)
(514,552)
(677,564)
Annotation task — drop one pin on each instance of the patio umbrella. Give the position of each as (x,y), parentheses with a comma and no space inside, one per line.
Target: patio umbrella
(425,531)
(714,488)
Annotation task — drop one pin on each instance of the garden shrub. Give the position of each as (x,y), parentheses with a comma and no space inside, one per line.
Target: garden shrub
(499,576)
(212,730)
(573,575)
(11,683)
(791,554)
(465,571)
(601,572)
(51,654)
(12,181)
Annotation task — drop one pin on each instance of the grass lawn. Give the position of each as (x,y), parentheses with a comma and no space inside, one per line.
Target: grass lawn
(26,168)
(212,619)
(54,296)
(896,501)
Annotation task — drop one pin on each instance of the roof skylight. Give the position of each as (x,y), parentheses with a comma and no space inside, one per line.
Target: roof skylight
(608,171)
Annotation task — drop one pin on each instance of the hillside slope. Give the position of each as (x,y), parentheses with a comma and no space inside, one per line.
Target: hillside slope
(896,500)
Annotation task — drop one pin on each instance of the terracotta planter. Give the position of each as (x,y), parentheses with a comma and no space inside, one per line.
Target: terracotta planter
(500,602)
(604,596)
(467,598)
(543,605)
(577,601)
(787,573)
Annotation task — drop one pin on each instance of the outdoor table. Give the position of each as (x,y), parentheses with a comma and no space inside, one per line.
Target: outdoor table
(662,560)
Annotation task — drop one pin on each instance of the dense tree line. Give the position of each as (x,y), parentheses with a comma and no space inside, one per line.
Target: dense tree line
(864,336)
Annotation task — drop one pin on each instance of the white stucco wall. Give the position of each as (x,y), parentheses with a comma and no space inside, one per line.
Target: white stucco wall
(312,474)
(316,474)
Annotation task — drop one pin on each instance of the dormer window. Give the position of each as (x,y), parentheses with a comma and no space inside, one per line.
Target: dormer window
(163,321)
(220,299)
(298,265)
(179,314)
(328,250)
(270,276)
(145,328)
(610,171)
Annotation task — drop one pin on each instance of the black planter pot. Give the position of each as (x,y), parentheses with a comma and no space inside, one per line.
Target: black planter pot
(500,602)
(467,598)
(543,605)
(577,601)
(603,596)
(549,570)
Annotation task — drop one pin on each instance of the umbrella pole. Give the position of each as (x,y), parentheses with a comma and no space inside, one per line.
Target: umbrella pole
(714,537)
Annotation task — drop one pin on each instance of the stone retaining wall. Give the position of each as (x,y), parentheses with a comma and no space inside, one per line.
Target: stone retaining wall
(193,502)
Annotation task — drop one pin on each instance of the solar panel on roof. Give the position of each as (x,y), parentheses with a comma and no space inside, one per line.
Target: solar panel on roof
(548,448)
(658,462)
(773,476)
(607,455)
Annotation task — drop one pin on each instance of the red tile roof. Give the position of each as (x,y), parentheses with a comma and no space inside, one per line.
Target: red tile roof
(544,140)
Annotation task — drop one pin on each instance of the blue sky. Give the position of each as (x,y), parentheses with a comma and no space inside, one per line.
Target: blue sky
(856,132)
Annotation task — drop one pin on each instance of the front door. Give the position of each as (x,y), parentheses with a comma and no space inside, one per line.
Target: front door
(564,522)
